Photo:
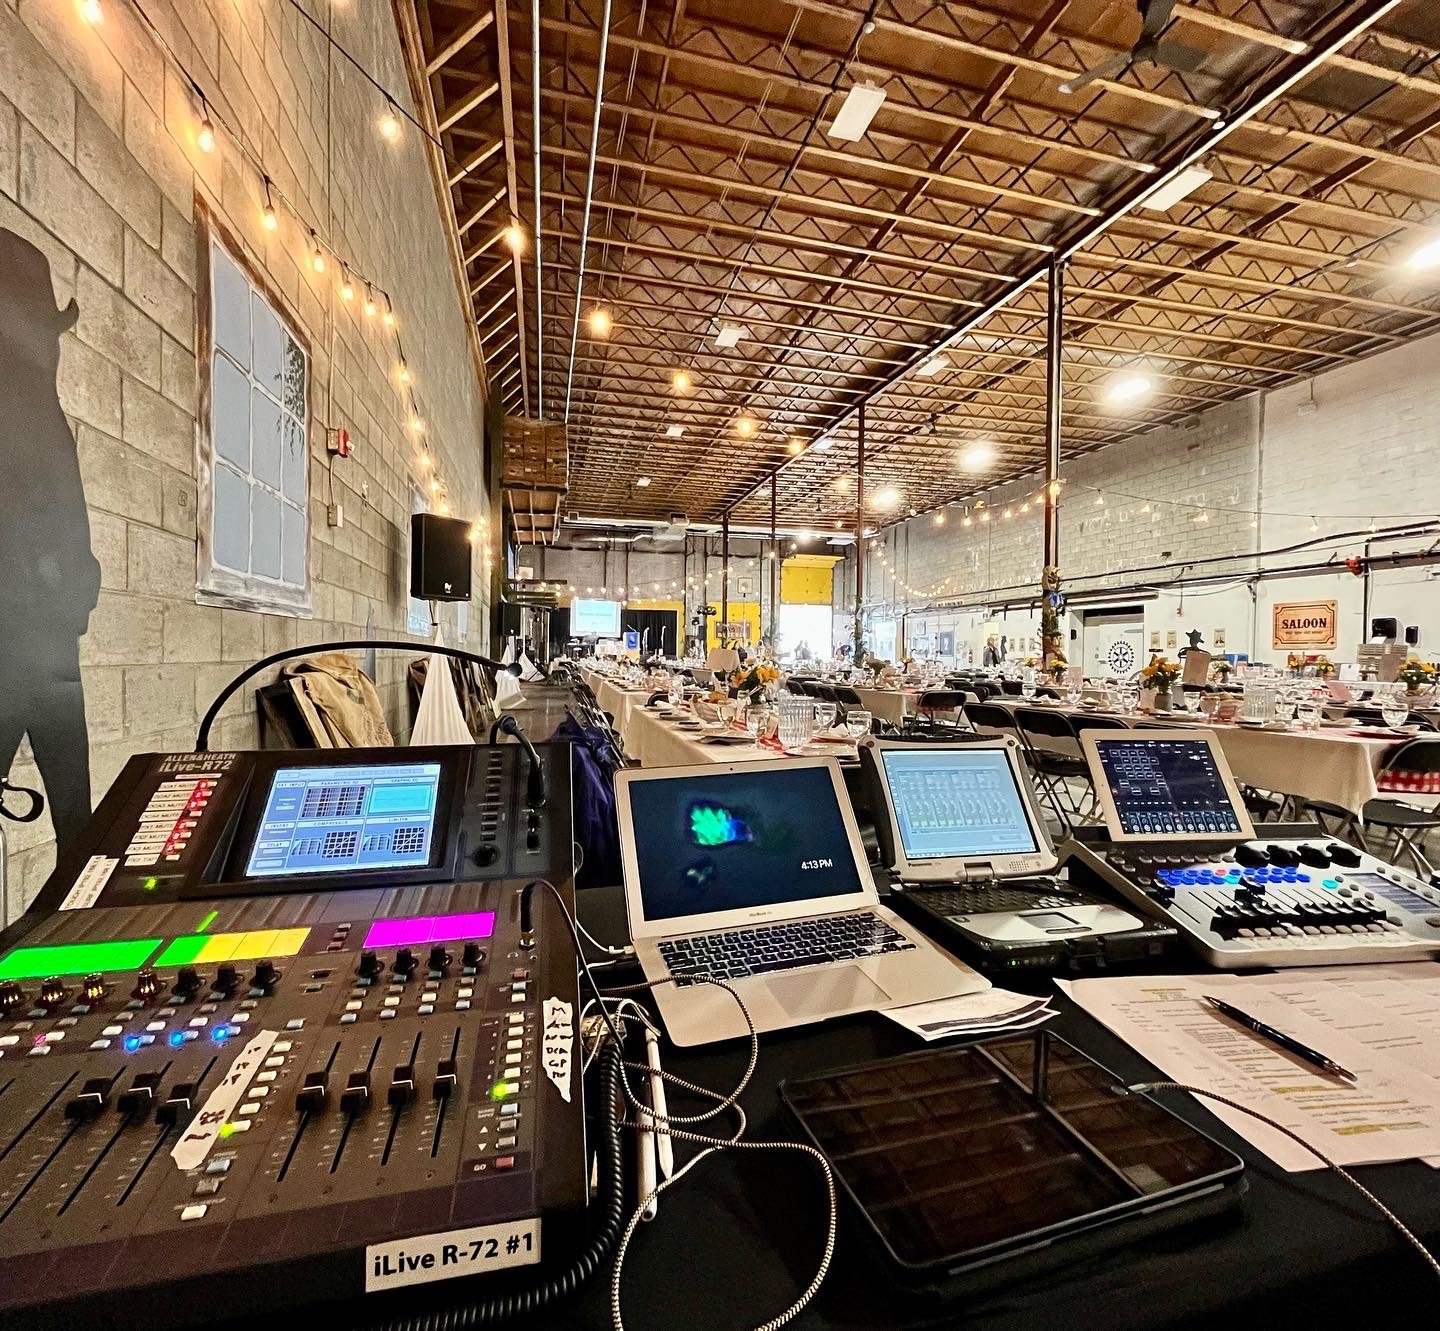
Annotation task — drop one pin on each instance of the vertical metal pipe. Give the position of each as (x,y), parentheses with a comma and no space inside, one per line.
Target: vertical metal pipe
(1054,402)
(535,137)
(589,198)
(725,567)
(774,566)
(859,524)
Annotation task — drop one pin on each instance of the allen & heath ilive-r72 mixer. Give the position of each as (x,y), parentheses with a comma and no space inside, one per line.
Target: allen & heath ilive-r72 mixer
(286,1028)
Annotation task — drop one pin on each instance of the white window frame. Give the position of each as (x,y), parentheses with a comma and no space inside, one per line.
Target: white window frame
(217,584)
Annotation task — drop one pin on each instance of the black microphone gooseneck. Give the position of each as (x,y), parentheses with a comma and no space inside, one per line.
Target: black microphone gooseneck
(535,780)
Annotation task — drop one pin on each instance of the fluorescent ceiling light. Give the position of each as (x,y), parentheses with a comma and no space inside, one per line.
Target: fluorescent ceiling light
(859,108)
(1426,255)
(1183,184)
(729,335)
(674,431)
(641,482)
(1129,387)
(978,456)
(824,445)
(933,366)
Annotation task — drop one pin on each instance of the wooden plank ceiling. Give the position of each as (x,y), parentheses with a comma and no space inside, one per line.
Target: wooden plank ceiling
(719,198)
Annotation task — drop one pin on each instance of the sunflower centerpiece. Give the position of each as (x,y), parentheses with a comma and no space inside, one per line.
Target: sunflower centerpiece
(1160,675)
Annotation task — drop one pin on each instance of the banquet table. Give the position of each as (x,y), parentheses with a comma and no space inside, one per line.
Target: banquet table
(890,705)
(1334,765)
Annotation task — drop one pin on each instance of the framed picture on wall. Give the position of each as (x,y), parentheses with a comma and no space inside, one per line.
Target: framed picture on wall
(945,644)
(745,589)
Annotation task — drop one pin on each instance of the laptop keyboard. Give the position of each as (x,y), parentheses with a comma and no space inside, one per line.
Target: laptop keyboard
(985,899)
(737,953)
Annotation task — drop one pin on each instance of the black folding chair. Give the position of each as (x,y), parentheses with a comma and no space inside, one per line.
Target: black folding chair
(1049,735)
(938,711)
(1413,765)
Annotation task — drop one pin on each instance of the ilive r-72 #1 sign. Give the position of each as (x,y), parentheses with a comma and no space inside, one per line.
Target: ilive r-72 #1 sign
(1310,624)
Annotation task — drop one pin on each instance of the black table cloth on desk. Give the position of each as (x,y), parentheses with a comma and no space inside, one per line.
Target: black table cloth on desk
(741,1235)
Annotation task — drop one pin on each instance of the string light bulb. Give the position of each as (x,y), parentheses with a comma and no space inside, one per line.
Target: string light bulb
(404,373)
(389,122)
(425,462)
(347,286)
(417,425)
(939,519)
(681,381)
(268,219)
(205,135)
(515,238)
(745,427)
(600,321)
(370,306)
(317,256)
(388,317)
(92,12)
(966,521)
(1314,524)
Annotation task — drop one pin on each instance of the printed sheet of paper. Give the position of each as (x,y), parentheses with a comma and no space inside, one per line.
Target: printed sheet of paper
(1371,1024)
(970,1014)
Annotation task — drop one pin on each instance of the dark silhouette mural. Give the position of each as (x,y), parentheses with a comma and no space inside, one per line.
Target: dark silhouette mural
(49,580)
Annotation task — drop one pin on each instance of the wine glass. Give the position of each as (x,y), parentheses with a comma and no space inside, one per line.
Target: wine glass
(1394,707)
(824,715)
(857,722)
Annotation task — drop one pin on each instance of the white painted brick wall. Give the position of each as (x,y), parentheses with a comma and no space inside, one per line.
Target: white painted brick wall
(97,168)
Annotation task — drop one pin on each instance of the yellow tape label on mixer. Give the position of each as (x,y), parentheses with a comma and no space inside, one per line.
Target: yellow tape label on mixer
(457,1252)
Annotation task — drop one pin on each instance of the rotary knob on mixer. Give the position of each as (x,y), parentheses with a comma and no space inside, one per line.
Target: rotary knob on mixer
(405,962)
(439,959)
(227,979)
(266,977)
(472,955)
(12,997)
(52,991)
(187,982)
(147,985)
(370,966)
(93,987)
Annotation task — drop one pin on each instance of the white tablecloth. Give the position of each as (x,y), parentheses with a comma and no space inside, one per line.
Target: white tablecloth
(1330,765)
(891,705)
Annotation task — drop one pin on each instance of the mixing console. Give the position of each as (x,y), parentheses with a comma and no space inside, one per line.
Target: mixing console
(1284,901)
(221,1093)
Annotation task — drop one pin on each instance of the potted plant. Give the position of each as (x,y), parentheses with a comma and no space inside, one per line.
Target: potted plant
(1324,667)
(1160,675)
(1416,675)
(1221,670)
(1057,666)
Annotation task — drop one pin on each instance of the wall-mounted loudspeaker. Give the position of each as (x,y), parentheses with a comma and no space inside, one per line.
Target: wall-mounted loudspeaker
(439,558)
(1412,635)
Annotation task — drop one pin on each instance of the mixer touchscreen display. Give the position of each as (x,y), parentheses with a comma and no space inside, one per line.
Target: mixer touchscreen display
(1167,787)
(329,819)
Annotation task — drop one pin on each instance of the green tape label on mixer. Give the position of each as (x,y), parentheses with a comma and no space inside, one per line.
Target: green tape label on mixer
(458,1252)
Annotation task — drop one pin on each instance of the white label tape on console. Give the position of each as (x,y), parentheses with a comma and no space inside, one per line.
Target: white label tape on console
(89,883)
(457,1252)
(557,1040)
(204,1130)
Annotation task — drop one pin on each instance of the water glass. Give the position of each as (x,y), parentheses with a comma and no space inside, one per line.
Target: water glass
(824,715)
(676,689)
(757,716)
(1073,691)
(857,722)
(1027,685)
(1284,708)
(1308,712)
(1394,707)
(1129,697)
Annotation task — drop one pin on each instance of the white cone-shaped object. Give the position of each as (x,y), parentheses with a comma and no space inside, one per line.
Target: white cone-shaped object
(440,720)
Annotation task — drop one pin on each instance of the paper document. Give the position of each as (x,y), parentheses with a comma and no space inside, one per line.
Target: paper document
(970,1014)
(1380,1023)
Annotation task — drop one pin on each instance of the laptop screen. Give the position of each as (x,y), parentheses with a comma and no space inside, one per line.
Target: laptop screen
(957,804)
(739,840)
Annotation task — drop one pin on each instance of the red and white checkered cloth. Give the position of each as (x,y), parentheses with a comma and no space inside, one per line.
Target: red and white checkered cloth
(1410,783)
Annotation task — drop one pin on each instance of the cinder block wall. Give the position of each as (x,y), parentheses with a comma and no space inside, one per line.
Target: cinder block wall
(99,168)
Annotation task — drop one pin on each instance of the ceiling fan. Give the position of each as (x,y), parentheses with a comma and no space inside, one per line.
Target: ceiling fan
(1149,49)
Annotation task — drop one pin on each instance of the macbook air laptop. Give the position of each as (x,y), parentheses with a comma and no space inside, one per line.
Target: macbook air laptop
(754,873)
(971,861)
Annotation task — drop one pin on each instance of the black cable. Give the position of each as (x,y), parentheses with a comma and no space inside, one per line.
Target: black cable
(611,1202)
(202,737)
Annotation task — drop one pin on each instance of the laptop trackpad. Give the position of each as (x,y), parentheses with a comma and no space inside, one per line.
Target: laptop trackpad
(820,993)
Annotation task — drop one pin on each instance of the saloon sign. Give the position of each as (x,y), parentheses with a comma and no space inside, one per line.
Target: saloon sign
(1309,624)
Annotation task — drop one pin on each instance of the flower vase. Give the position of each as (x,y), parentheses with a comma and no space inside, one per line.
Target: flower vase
(1162,700)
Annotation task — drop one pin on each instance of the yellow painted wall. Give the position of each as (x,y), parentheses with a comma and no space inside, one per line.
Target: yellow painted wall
(807,579)
(747,612)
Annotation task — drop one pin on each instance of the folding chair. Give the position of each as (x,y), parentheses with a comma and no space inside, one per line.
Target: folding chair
(1044,732)
(1411,767)
(935,701)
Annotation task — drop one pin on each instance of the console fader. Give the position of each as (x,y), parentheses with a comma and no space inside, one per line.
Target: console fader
(276,1034)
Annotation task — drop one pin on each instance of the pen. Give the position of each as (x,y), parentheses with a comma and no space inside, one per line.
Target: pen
(1286,1042)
